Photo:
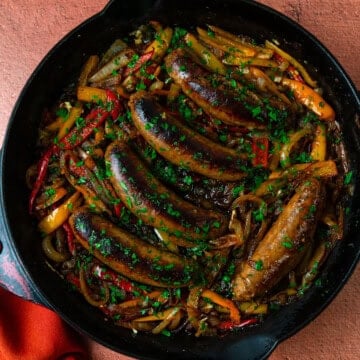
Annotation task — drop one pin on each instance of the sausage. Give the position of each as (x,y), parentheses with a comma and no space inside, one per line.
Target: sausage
(181,145)
(129,255)
(234,106)
(156,205)
(283,246)
(200,190)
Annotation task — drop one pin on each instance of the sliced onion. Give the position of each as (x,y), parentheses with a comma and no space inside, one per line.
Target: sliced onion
(50,251)
(85,291)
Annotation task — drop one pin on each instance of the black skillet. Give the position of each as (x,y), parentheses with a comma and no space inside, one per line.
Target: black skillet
(23,269)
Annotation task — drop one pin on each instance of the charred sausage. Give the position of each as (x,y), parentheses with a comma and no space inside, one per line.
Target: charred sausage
(283,246)
(156,205)
(181,145)
(234,106)
(129,255)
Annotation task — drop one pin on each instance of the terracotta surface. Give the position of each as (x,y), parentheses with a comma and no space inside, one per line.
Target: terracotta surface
(28,29)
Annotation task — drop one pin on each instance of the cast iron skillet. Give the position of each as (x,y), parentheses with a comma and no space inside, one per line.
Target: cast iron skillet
(22,255)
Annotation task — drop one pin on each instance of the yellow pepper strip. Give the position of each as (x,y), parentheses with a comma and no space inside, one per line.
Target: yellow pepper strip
(91,94)
(314,264)
(50,251)
(55,125)
(310,98)
(251,307)
(160,44)
(294,138)
(167,241)
(271,186)
(322,169)
(226,303)
(44,200)
(268,83)
(291,292)
(292,61)
(260,52)
(89,67)
(192,305)
(58,216)
(318,147)
(175,322)
(74,113)
(140,301)
(209,60)
(246,61)
(225,44)
(161,315)
(174,92)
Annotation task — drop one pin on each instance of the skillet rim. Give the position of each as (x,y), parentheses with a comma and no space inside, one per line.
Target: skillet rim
(341,72)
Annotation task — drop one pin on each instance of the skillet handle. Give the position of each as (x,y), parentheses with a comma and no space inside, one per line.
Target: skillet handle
(133,9)
(255,347)
(13,276)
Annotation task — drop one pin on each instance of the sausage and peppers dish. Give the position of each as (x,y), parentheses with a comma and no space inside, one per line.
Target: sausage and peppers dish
(189,180)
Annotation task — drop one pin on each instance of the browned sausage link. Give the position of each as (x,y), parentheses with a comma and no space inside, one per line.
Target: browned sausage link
(181,145)
(234,106)
(283,246)
(156,205)
(129,255)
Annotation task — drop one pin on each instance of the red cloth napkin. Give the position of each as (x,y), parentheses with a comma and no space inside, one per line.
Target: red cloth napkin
(32,332)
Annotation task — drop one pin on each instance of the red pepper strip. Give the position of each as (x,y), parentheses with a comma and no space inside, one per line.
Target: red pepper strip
(70,238)
(141,61)
(108,275)
(229,325)
(260,148)
(278,58)
(73,279)
(93,120)
(77,169)
(42,171)
(294,74)
(117,209)
(290,69)
(237,129)
(149,71)
(116,104)
(77,136)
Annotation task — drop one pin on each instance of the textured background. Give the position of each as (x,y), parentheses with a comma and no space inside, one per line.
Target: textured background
(29,28)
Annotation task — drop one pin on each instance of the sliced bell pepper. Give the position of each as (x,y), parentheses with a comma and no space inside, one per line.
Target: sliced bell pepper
(260,148)
(74,113)
(132,68)
(291,70)
(58,216)
(226,303)
(42,171)
(305,95)
(69,238)
(78,135)
(160,44)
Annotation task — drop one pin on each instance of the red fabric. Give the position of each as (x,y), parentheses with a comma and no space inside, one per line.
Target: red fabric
(32,332)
